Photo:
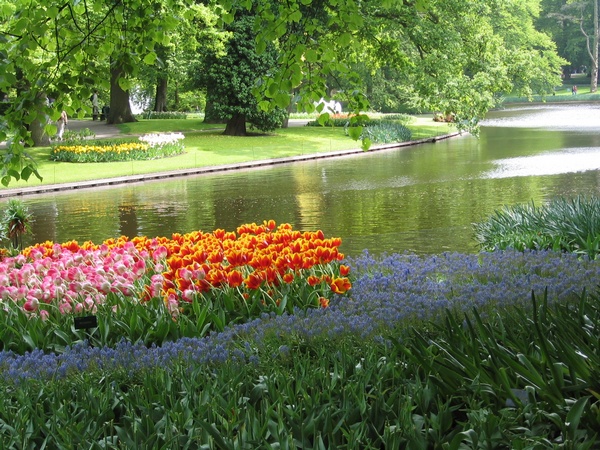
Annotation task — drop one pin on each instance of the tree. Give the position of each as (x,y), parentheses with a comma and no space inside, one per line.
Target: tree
(168,84)
(61,49)
(455,56)
(231,77)
(591,40)
(569,23)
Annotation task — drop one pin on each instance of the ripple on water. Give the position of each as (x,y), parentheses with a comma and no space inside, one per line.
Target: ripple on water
(577,116)
(567,161)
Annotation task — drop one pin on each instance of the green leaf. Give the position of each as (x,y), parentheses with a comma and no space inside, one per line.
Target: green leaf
(282,100)
(311,56)
(26,173)
(345,39)
(355,132)
(14,174)
(261,46)
(272,90)
(574,415)
(228,18)
(366,144)
(50,129)
(264,105)
(150,58)
(323,118)
(295,16)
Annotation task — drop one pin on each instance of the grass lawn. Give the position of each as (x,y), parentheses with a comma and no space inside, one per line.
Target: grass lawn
(564,92)
(206,146)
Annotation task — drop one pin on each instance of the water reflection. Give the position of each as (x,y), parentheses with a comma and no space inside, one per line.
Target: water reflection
(422,199)
(567,161)
(564,116)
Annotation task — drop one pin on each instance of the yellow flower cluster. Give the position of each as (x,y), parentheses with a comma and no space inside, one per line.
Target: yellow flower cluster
(120,148)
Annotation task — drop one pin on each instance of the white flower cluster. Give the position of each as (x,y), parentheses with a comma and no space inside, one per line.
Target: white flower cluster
(161,139)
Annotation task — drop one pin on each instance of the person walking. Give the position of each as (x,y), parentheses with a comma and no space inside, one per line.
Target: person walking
(95,106)
(61,124)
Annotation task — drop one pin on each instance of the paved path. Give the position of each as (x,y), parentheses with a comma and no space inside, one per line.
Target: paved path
(100,128)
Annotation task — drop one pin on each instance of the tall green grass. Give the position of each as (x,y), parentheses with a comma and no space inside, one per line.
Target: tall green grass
(520,379)
(570,225)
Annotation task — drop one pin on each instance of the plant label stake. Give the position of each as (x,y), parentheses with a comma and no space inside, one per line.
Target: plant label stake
(85,323)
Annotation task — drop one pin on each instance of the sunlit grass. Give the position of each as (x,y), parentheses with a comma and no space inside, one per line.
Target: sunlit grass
(206,146)
(423,127)
(562,93)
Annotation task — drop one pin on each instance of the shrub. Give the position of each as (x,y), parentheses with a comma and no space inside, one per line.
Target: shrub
(163,115)
(561,225)
(16,222)
(404,119)
(376,130)
(384,132)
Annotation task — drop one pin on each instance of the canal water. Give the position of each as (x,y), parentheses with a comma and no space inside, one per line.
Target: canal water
(422,199)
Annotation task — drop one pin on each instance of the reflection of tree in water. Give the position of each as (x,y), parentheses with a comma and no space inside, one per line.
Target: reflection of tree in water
(128,221)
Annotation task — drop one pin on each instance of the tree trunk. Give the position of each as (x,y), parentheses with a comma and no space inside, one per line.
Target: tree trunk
(38,135)
(286,120)
(594,74)
(120,109)
(210,115)
(160,101)
(236,126)
(177,97)
(592,46)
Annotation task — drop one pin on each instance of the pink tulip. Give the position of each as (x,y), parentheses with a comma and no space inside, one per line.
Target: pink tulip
(31,305)
(160,253)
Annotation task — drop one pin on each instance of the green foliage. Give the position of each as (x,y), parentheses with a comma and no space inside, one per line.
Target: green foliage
(150,323)
(386,131)
(330,122)
(380,131)
(561,225)
(456,57)
(163,115)
(231,78)
(520,378)
(404,119)
(190,101)
(62,51)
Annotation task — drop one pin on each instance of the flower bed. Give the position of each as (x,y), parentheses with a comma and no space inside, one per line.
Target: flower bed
(187,285)
(150,146)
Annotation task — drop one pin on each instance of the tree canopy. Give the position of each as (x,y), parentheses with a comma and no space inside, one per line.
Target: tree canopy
(454,56)
(61,51)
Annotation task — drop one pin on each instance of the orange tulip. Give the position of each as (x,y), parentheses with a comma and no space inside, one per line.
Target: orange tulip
(288,277)
(254,280)
(340,285)
(324,302)
(235,278)
(313,280)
